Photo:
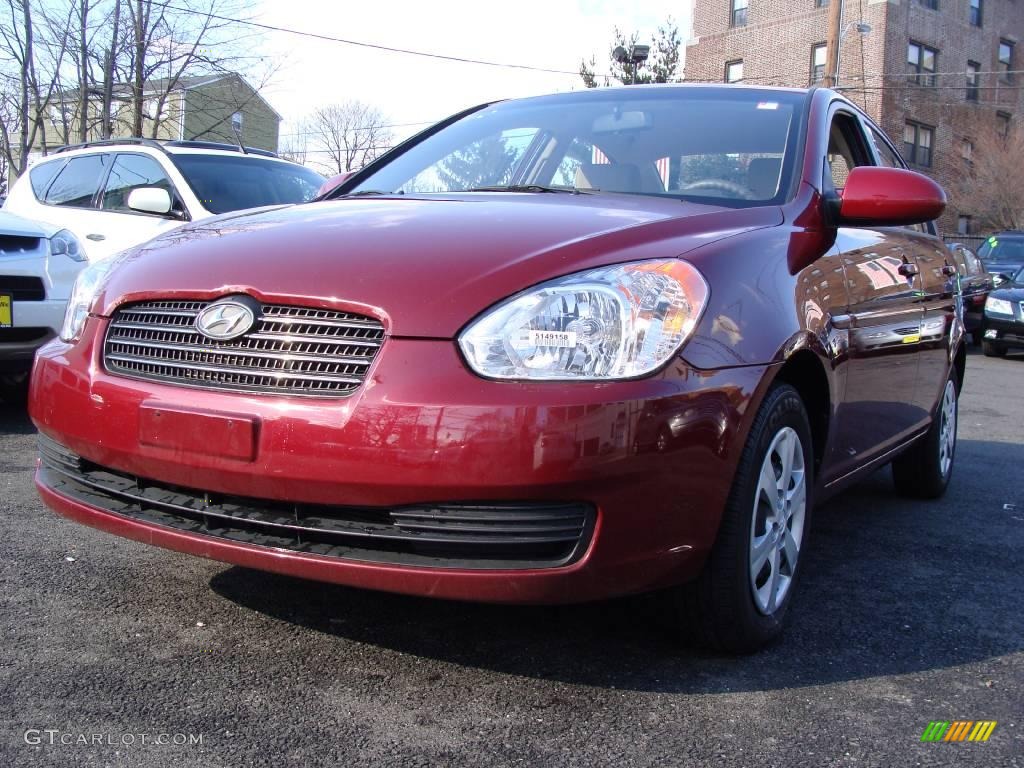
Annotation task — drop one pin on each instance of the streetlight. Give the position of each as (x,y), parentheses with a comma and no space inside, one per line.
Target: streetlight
(863,28)
(636,55)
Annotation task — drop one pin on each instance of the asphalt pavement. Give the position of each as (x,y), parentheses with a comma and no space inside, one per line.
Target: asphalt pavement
(908,612)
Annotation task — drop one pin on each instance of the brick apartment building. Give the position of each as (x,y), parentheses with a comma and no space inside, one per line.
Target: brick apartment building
(937,75)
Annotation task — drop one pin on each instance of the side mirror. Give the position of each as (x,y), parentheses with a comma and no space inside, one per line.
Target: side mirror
(999,278)
(334,182)
(150,200)
(889,197)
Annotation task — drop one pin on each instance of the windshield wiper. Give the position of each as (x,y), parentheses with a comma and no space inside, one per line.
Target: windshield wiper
(527,188)
(368,192)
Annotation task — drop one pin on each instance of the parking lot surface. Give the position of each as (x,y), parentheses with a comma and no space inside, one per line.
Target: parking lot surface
(908,612)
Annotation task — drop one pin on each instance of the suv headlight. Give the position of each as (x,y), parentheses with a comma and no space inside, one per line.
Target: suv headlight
(66,244)
(998,306)
(617,322)
(87,286)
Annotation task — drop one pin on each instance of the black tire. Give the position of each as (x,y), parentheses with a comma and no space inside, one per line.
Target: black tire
(718,610)
(977,338)
(920,471)
(14,389)
(990,349)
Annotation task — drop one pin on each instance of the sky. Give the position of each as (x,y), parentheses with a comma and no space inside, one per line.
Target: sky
(554,34)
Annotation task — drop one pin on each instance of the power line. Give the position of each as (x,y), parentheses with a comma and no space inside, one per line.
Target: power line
(373,46)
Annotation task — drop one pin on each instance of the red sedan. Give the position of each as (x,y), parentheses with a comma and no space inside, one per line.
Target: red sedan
(549,350)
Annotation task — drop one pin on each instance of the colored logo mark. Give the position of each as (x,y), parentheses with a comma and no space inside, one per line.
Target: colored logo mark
(958,730)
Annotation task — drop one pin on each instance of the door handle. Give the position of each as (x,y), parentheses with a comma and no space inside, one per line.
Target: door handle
(907,269)
(96,238)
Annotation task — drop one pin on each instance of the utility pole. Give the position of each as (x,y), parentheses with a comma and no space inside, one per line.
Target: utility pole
(833,39)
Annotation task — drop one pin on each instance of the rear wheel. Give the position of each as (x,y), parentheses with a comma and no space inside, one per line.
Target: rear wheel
(924,469)
(991,349)
(739,601)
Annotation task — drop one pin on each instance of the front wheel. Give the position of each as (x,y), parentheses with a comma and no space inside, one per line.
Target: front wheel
(739,601)
(925,468)
(990,349)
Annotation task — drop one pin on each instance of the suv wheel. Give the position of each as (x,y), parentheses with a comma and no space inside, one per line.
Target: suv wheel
(991,349)
(739,601)
(925,468)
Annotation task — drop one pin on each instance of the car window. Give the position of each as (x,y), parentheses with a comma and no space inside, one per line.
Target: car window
(226,183)
(41,174)
(130,172)
(1004,250)
(735,148)
(487,162)
(78,181)
(886,155)
(846,151)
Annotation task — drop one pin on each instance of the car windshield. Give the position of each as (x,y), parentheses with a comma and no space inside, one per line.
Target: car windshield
(997,250)
(226,183)
(732,146)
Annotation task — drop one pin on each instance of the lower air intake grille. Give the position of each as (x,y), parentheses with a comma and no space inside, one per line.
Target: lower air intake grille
(449,535)
(289,351)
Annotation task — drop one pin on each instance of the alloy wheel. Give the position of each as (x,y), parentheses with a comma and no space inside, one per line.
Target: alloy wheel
(947,428)
(777,527)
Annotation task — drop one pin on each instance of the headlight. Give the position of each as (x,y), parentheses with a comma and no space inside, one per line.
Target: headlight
(616,322)
(66,244)
(998,306)
(87,286)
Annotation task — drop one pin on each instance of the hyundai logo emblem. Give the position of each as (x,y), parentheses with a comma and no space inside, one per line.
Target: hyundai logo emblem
(224,320)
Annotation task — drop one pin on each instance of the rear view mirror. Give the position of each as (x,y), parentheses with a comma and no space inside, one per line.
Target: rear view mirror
(150,200)
(622,121)
(889,197)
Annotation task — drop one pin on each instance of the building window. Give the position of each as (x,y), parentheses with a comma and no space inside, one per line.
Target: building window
(967,150)
(1005,67)
(821,3)
(917,144)
(236,122)
(932,4)
(819,54)
(974,13)
(734,71)
(1003,123)
(738,12)
(921,63)
(963,225)
(973,80)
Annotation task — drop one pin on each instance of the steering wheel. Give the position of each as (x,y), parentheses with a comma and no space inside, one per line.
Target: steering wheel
(728,186)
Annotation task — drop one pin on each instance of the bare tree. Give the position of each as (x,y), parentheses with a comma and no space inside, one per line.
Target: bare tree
(295,146)
(992,195)
(348,136)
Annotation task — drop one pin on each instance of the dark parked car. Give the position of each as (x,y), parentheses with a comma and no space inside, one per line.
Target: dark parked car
(975,284)
(430,382)
(1003,252)
(1004,317)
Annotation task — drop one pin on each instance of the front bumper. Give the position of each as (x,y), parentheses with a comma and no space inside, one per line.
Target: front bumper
(422,430)
(1008,332)
(35,323)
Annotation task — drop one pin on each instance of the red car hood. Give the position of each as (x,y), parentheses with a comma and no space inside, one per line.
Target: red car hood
(425,266)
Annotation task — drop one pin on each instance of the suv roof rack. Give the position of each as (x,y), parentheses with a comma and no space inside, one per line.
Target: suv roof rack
(162,145)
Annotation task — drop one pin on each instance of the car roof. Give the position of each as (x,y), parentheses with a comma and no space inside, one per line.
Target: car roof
(167,148)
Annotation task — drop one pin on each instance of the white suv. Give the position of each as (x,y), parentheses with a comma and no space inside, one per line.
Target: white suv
(118,193)
(38,265)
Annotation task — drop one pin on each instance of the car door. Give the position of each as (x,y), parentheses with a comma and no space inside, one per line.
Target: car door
(883,318)
(942,325)
(941,294)
(120,226)
(69,200)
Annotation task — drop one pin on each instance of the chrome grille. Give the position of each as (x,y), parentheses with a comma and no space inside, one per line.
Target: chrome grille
(290,350)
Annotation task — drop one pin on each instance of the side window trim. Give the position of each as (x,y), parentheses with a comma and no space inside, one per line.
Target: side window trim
(41,197)
(176,199)
(864,155)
